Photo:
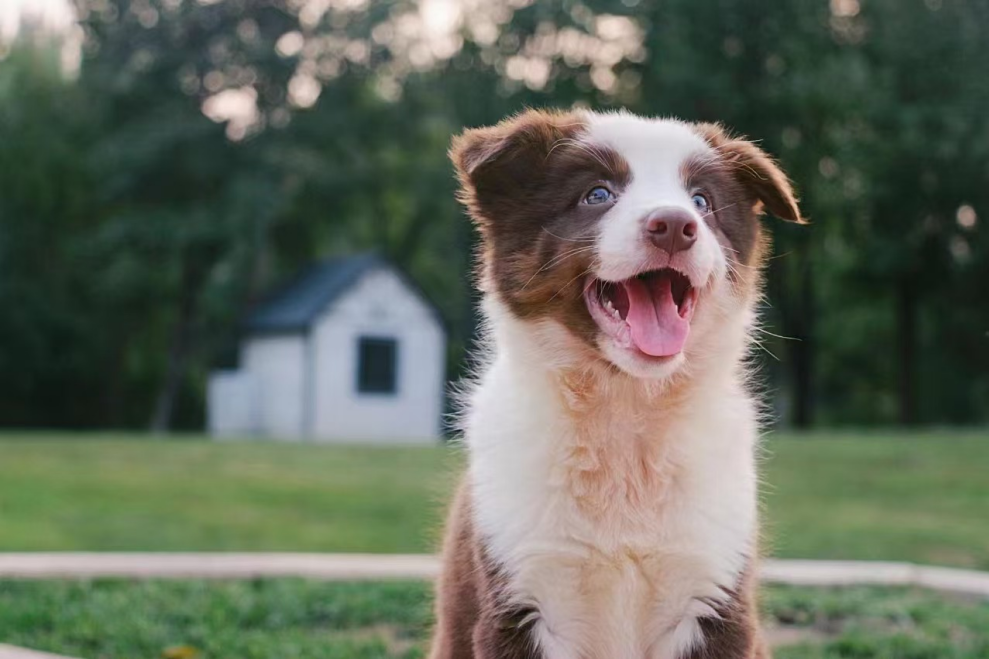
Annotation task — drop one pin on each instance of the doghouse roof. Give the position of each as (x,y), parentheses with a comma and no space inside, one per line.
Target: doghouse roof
(296,305)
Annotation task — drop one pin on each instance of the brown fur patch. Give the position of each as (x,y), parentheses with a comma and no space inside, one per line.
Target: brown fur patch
(741,181)
(733,217)
(474,618)
(522,182)
(765,181)
(736,633)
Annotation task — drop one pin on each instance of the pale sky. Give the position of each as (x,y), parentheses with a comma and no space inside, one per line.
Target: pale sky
(54,13)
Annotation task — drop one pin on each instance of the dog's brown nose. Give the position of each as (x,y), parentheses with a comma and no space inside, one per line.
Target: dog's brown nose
(671,229)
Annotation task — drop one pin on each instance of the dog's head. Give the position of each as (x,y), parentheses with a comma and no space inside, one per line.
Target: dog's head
(640,237)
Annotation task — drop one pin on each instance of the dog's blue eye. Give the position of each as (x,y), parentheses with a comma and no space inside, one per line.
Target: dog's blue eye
(701,203)
(599,195)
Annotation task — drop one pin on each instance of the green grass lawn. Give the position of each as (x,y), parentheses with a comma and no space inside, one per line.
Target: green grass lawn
(922,497)
(917,497)
(125,494)
(300,619)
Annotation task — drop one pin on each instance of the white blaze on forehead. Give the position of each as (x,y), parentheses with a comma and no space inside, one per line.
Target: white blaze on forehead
(655,150)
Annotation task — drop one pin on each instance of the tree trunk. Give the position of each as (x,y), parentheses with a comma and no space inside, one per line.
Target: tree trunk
(802,349)
(178,353)
(113,393)
(906,332)
(792,293)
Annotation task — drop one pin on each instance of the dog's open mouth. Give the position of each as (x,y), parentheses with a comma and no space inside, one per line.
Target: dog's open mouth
(650,312)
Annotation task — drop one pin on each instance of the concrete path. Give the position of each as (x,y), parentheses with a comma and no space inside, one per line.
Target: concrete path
(421,566)
(846,573)
(11,652)
(217,565)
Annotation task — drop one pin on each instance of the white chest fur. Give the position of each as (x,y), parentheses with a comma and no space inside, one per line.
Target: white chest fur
(616,512)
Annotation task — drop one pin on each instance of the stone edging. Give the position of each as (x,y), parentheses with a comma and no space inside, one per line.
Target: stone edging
(846,573)
(43,565)
(12,652)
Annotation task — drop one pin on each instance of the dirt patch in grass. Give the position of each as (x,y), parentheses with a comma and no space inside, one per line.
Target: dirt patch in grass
(396,638)
(785,636)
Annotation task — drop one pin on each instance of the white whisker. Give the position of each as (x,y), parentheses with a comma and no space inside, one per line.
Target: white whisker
(556,260)
(570,240)
(566,285)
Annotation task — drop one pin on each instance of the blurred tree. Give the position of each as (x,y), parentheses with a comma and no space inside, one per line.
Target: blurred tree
(209,149)
(186,198)
(920,135)
(746,66)
(47,346)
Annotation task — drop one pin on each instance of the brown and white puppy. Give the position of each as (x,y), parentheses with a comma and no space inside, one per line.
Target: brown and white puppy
(609,506)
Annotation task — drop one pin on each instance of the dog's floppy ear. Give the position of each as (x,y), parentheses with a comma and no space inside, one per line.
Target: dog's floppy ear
(499,166)
(755,169)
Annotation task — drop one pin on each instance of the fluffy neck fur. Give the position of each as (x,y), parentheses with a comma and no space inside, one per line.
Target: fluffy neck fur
(611,446)
(605,498)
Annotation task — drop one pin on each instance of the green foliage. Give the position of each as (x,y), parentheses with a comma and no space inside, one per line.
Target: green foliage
(294,618)
(135,232)
(45,203)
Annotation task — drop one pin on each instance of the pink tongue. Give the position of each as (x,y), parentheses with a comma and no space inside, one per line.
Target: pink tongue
(657,328)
